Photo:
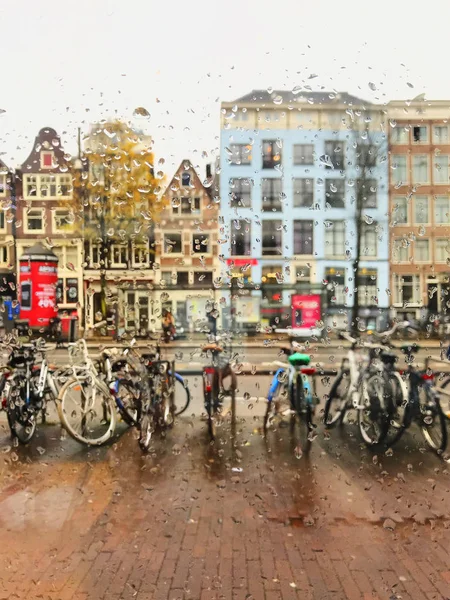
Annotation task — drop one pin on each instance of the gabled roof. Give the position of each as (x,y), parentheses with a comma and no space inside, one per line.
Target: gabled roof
(46,139)
(186,165)
(276,97)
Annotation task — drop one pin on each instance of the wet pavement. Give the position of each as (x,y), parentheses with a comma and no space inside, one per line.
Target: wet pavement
(242,518)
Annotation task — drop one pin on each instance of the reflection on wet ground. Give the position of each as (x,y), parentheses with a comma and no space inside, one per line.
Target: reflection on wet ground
(240,518)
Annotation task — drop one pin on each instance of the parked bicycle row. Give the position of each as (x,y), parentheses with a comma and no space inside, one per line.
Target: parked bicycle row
(147,392)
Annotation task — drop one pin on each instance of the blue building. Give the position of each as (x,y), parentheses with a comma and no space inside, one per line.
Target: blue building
(291,164)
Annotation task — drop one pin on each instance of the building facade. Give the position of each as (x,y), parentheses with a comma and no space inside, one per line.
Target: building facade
(7,243)
(187,249)
(419,139)
(46,212)
(290,168)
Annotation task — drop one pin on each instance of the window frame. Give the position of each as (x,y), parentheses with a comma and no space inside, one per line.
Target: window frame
(415,207)
(3,185)
(243,235)
(406,132)
(415,283)
(45,153)
(238,198)
(275,248)
(436,140)
(397,242)
(55,229)
(4,249)
(447,244)
(274,196)
(395,159)
(27,229)
(309,244)
(271,163)
(296,160)
(367,229)
(119,247)
(421,242)
(420,141)
(208,247)
(329,194)
(297,193)
(436,180)
(395,202)
(443,222)
(171,253)
(140,248)
(337,165)
(330,252)
(240,153)
(365,299)
(414,157)
(178,210)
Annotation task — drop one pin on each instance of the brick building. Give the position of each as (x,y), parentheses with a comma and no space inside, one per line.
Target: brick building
(186,247)
(419,191)
(46,212)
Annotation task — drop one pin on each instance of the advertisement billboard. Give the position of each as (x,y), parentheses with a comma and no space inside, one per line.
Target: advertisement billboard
(306,311)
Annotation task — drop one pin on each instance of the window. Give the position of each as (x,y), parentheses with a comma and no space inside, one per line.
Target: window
(240,193)
(400,250)
(34,220)
(2,184)
(366,155)
(119,255)
(367,192)
(440,134)
(94,255)
(442,210)
(62,220)
(421,213)
(240,154)
(173,243)
(335,193)
(4,255)
(440,172)
(271,237)
(47,160)
(303,154)
(420,168)
(30,185)
(399,135)
(272,195)
(369,239)
(303,274)
(185,179)
(64,185)
(303,193)
(336,152)
(334,238)
(203,279)
(399,173)
(335,279)
(420,134)
(421,250)
(200,243)
(141,257)
(180,278)
(2,220)
(71,289)
(442,250)
(303,237)
(400,210)
(406,289)
(367,287)
(241,238)
(271,154)
(48,186)
(186,205)
(70,258)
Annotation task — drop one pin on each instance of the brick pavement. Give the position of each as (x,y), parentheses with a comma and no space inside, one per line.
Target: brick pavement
(181,524)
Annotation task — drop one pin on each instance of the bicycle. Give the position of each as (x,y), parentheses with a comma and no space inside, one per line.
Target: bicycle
(212,376)
(371,387)
(85,404)
(422,406)
(292,387)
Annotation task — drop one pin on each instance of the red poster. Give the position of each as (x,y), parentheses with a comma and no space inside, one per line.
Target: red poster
(37,291)
(305,311)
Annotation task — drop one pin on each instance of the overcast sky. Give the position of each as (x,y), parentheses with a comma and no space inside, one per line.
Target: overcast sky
(67,64)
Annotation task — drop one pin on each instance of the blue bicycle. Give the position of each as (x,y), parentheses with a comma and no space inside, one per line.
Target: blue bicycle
(291,394)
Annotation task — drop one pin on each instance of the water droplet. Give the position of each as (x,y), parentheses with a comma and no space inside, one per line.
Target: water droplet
(277,99)
(368,219)
(422,230)
(142,112)
(326,160)
(372,86)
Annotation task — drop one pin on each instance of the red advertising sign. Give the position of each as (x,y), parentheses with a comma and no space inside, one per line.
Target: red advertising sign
(38,279)
(241,262)
(305,311)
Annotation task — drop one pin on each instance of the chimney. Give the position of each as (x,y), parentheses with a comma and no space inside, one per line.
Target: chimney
(208,171)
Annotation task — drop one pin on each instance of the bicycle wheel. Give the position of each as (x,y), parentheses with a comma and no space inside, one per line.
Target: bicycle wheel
(161,402)
(127,397)
(303,417)
(336,404)
(278,403)
(446,410)
(432,420)
(86,409)
(373,416)
(181,395)
(21,415)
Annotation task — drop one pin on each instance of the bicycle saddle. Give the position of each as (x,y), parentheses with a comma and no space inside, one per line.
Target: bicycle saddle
(410,348)
(213,347)
(299,360)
